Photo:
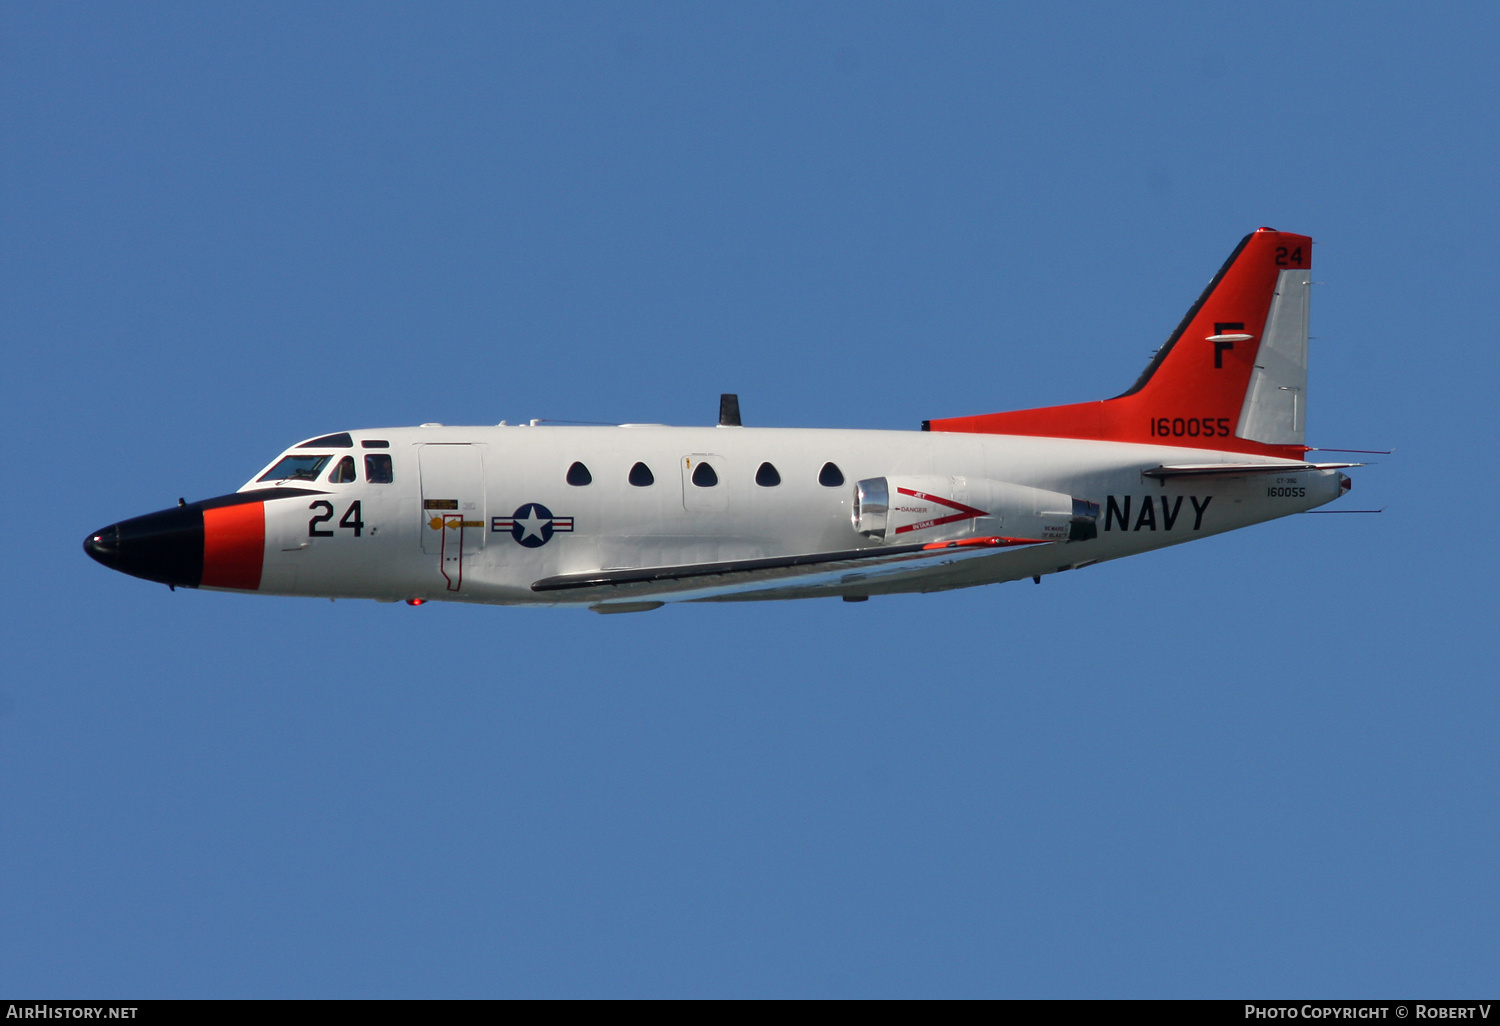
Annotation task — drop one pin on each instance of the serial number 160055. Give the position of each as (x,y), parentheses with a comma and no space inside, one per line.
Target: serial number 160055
(1283,492)
(1189,427)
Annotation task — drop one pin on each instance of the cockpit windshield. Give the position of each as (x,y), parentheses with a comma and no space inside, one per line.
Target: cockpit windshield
(296,468)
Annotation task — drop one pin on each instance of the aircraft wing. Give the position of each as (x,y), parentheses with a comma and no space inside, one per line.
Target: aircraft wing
(1212,469)
(744,577)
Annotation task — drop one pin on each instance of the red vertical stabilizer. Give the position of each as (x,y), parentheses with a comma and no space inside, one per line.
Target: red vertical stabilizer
(1194,391)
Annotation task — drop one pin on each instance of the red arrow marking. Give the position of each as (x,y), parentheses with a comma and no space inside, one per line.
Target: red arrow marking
(964,512)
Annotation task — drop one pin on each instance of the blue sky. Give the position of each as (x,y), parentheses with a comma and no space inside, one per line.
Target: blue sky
(1261,764)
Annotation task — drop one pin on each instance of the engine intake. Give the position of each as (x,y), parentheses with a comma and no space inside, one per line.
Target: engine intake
(872,506)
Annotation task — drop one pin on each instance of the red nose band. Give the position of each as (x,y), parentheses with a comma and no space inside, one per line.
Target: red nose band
(234,546)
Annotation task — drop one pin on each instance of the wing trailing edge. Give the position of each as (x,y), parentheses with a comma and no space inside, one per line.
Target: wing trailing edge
(816,569)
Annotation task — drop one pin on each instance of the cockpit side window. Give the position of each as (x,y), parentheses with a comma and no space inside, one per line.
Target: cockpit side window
(378,468)
(343,473)
(296,468)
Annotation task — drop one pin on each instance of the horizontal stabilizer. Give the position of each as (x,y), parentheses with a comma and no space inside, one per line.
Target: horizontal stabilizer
(1228,469)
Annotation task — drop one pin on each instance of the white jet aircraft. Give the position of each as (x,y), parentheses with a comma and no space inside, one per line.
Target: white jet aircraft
(620,519)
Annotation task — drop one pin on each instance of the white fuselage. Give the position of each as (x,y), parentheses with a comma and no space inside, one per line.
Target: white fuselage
(407,540)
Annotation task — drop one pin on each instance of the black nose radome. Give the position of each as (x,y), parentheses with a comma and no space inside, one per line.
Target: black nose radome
(104,545)
(166,547)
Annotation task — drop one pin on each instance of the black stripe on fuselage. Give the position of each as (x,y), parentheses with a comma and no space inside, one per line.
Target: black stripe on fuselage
(254,495)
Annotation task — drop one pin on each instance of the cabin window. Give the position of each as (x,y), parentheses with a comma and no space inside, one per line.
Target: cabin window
(641,476)
(378,468)
(343,473)
(296,468)
(767,476)
(704,476)
(579,475)
(830,476)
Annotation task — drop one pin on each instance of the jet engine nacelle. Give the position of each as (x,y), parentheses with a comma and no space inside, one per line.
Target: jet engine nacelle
(930,508)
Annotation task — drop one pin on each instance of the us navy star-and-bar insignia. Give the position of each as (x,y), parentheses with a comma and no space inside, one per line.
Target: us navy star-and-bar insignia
(533,525)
